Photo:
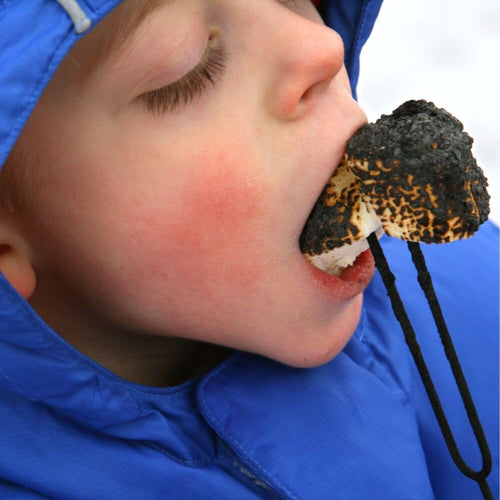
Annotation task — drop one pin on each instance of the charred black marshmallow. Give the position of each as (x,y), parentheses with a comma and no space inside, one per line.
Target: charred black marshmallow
(410,174)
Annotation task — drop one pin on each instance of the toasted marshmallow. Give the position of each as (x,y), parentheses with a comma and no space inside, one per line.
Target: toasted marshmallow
(335,233)
(416,171)
(410,174)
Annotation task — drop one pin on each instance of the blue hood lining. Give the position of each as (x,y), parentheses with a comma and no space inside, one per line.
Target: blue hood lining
(353,20)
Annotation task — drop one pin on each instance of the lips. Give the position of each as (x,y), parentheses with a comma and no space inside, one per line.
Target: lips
(337,260)
(351,282)
(344,271)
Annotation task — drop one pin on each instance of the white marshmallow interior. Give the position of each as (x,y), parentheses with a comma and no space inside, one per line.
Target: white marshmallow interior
(336,260)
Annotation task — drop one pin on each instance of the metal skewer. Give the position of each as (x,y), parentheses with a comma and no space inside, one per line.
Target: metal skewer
(425,282)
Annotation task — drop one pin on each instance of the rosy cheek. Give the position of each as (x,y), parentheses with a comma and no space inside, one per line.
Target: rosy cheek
(219,227)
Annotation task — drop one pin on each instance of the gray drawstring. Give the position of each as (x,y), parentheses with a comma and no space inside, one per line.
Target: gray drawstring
(80,20)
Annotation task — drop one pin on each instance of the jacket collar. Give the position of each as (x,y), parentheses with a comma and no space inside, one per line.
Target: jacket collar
(318,432)
(42,366)
(287,425)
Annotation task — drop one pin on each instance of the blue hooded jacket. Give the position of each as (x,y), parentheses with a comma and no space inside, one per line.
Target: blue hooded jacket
(358,427)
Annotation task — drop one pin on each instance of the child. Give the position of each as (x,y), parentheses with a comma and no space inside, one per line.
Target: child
(161,335)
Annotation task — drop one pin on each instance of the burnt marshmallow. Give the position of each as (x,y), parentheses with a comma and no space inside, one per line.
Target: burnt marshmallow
(411,174)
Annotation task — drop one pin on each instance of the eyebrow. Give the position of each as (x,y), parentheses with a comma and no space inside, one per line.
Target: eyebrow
(114,31)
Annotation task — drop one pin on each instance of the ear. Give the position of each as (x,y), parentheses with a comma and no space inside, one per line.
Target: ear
(15,264)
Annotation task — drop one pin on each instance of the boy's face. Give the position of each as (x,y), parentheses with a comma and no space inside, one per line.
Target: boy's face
(186,223)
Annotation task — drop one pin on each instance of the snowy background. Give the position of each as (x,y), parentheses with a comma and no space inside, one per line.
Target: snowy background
(447,52)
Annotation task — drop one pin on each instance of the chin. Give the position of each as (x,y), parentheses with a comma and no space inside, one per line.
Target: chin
(321,346)
(314,357)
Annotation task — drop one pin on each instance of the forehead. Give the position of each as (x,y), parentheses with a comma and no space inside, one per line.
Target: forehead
(112,33)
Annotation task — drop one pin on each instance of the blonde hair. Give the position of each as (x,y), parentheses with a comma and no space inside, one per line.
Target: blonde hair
(17,179)
(115,30)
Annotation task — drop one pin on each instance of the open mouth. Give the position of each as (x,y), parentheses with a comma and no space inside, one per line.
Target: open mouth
(335,261)
(335,232)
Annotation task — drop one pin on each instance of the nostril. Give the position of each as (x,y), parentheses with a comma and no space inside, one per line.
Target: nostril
(307,94)
(313,90)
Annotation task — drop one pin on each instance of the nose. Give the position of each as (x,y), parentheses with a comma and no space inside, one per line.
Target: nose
(307,57)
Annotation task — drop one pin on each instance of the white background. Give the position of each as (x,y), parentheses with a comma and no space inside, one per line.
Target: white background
(447,52)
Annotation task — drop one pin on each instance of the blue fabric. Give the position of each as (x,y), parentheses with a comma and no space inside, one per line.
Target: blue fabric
(357,427)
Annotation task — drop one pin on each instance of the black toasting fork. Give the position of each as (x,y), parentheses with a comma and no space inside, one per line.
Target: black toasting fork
(425,282)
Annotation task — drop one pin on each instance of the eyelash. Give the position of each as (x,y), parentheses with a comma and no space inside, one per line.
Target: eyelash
(183,91)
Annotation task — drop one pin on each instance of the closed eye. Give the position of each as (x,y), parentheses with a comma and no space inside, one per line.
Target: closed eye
(186,89)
